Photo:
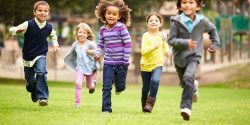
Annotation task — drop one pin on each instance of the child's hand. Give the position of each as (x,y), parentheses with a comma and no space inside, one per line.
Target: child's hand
(192,44)
(90,52)
(96,57)
(157,44)
(211,50)
(62,67)
(57,49)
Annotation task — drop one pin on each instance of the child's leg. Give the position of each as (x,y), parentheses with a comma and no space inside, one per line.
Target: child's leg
(155,80)
(180,71)
(29,73)
(188,88)
(78,93)
(42,91)
(146,77)
(120,78)
(90,81)
(108,73)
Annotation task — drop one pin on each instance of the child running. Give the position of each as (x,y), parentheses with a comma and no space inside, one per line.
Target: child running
(186,31)
(80,59)
(115,40)
(153,50)
(36,31)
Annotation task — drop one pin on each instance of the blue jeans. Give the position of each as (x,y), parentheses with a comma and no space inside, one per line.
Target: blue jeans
(187,77)
(36,80)
(150,82)
(112,74)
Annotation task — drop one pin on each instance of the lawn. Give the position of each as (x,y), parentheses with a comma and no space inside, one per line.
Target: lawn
(216,106)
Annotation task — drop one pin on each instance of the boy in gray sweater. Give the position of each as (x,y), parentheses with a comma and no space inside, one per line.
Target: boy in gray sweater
(185,36)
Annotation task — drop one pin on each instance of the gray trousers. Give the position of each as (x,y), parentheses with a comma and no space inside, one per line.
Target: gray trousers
(187,77)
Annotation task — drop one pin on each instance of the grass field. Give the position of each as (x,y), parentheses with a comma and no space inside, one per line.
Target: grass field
(217,106)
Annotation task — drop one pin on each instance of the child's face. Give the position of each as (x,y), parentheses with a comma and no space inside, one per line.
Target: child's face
(112,15)
(189,8)
(154,22)
(82,35)
(41,13)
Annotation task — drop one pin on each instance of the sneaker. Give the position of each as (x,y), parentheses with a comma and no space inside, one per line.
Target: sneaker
(118,92)
(106,112)
(186,113)
(196,93)
(33,98)
(43,102)
(92,90)
(77,106)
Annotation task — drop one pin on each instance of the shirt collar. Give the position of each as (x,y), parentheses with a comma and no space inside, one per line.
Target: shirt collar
(186,19)
(40,24)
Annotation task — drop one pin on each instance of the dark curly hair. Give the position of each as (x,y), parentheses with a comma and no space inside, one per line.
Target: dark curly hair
(124,11)
(200,4)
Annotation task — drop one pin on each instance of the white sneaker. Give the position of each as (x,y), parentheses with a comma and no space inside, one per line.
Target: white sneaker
(43,102)
(186,113)
(77,106)
(196,93)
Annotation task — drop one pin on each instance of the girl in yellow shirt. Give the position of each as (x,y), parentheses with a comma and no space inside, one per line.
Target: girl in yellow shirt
(153,50)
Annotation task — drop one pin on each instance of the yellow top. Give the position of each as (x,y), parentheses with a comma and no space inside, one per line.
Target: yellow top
(152,57)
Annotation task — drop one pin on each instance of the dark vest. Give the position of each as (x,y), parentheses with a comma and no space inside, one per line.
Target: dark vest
(35,40)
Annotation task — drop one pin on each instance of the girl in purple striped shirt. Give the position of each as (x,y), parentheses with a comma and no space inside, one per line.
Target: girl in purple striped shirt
(115,41)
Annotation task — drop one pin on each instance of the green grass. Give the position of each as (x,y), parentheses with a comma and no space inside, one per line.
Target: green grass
(217,106)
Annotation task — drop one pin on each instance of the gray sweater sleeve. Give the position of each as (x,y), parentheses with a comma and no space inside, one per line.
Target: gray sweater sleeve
(213,35)
(177,43)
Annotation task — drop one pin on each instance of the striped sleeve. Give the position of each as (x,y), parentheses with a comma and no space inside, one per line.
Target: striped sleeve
(127,44)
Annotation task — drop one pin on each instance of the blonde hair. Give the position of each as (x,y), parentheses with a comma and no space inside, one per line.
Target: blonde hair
(40,3)
(87,28)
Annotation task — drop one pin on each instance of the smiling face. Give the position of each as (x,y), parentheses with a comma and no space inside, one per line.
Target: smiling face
(41,13)
(154,23)
(81,35)
(189,8)
(112,15)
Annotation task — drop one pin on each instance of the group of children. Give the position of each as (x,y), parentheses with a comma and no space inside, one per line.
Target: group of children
(185,38)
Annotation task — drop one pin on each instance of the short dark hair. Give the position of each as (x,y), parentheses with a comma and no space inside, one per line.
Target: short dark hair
(40,3)
(199,3)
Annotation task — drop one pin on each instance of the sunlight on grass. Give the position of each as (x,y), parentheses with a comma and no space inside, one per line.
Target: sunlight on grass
(216,106)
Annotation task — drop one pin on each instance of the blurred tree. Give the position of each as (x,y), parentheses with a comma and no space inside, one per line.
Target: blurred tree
(14,12)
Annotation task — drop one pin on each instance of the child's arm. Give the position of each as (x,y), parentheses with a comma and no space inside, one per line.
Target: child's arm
(91,49)
(213,36)
(127,44)
(20,29)
(100,46)
(53,38)
(173,39)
